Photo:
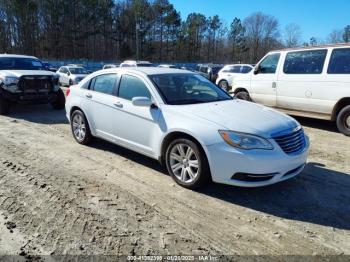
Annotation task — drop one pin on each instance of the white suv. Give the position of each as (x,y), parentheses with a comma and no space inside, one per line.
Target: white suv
(311,82)
(229,72)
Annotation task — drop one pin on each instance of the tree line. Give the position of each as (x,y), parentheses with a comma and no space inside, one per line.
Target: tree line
(140,29)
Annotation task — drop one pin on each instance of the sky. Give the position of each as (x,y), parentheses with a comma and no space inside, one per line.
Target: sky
(316,18)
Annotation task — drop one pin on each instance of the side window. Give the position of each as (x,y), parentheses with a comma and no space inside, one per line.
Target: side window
(305,62)
(235,69)
(269,64)
(131,87)
(246,69)
(104,83)
(340,61)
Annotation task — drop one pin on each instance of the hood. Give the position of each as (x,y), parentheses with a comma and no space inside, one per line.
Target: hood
(241,116)
(19,73)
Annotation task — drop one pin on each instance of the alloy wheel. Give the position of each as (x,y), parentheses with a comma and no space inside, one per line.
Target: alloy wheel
(184,163)
(79,127)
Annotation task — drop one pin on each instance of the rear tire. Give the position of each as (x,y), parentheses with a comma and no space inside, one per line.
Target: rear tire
(187,163)
(80,128)
(243,95)
(4,106)
(60,101)
(223,84)
(343,121)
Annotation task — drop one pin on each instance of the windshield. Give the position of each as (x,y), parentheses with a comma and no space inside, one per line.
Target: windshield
(184,89)
(77,70)
(16,63)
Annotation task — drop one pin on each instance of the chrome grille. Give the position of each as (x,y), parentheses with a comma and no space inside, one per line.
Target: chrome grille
(293,142)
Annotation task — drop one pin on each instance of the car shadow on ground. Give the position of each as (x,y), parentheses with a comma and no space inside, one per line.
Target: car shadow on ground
(317,123)
(319,195)
(40,114)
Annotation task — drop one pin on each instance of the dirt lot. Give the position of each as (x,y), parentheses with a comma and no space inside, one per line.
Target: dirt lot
(58,197)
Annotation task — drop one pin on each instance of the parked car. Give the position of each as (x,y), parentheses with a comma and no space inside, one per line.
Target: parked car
(167,66)
(24,80)
(49,67)
(185,121)
(108,66)
(228,73)
(71,75)
(133,63)
(311,82)
(209,71)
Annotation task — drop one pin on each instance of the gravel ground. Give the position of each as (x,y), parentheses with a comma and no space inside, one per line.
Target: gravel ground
(58,197)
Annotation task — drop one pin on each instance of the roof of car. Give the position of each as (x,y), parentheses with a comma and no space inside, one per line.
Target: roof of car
(239,65)
(18,56)
(314,47)
(150,70)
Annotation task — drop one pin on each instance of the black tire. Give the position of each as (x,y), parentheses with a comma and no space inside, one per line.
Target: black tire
(202,176)
(60,100)
(243,95)
(87,137)
(223,84)
(343,121)
(4,106)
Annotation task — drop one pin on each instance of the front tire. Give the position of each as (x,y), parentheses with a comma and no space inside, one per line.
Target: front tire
(80,128)
(187,164)
(243,95)
(60,100)
(4,106)
(343,121)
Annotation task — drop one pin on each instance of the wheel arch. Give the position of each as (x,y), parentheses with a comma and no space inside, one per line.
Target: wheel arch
(339,106)
(240,89)
(175,135)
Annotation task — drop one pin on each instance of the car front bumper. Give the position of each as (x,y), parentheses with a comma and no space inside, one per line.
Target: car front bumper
(254,168)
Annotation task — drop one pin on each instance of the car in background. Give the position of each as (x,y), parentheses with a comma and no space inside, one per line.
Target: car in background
(108,66)
(167,66)
(188,123)
(49,67)
(210,71)
(229,72)
(71,75)
(309,82)
(133,63)
(24,80)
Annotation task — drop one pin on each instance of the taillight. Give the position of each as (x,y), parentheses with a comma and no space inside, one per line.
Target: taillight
(67,91)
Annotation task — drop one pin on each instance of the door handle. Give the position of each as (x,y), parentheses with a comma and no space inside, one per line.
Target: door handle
(274,84)
(118,104)
(89,96)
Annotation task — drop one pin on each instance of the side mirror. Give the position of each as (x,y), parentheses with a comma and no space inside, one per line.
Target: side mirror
(141,101)
(68,74)
(256,70)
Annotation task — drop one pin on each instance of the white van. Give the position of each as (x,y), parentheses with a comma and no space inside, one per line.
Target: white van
(310,81)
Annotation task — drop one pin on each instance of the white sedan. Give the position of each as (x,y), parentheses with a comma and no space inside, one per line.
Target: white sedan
(183,120)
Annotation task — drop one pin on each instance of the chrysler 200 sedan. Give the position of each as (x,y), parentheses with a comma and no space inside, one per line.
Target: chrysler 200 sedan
(192,126)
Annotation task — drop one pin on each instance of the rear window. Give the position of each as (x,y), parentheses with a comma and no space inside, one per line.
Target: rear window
(305,62)
(340,61)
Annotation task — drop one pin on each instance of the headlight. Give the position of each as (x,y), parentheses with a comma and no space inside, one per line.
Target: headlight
(245,141)
(9,80)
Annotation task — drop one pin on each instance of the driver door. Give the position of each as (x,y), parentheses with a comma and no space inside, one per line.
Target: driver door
(264,80)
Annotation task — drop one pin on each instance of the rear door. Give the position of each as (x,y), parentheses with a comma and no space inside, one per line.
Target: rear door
(100,105)
(264,80)
(303,84)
